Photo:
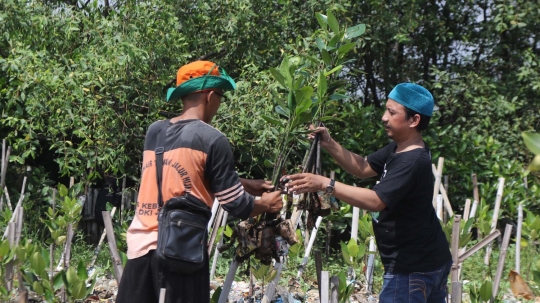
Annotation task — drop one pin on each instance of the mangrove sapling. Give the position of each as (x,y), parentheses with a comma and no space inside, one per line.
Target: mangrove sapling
(298,76)
(532,141)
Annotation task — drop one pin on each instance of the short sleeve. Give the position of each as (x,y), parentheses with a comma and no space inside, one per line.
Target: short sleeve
(377,159)
(224,180)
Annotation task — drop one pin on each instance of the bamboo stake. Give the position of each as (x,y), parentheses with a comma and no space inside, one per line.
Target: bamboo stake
(7,199)
(304,228)
(98,247)
(518,232)
(224,296)
(318,268)
(67,249)
(14,215)
(502,256)
(216,252)
(439,208)
(371,263)
(495,217)
(9,266)
(309,246)
(473,209)
(5,162)
(467,209)
(214,212)
(518,238)
(354,225)
(214,230)
(2,172)
(442,190)
(118,268)
(162,293)
(456,284)
(51,248)
(3,155)
(271,288)
(324,287)
(18,225)
(492,236)
(438,180)
(334,286)
(476,197)
(465,218)
(23,292)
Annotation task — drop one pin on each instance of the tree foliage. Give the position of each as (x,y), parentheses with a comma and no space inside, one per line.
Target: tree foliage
(81,81)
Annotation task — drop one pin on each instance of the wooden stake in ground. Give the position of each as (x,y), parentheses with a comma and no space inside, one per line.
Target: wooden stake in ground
(5,162)
(456,284)
(354,223)
(334,289)
(117,262)
(271,288)
(438,177)
(214,212)
(502,256)
(309,246)
(51,248)
(467,209)
(518,231)
(476,197)
(324,287)
(439,208)
(518,238)
(8,277)
(318,268)
(371,263)
(162,293)
(442,190)
(495,216)
(224,296)
(217,224)
(98,247)
(216,252)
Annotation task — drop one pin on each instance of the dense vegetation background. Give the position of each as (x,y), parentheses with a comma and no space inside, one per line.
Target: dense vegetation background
(80,81)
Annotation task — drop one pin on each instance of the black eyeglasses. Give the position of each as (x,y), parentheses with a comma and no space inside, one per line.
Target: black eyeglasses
(221,96)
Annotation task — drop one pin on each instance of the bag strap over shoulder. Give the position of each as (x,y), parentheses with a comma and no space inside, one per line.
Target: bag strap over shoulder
(160,149)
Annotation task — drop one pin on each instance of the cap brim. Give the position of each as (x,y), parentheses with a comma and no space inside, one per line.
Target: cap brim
(223,82)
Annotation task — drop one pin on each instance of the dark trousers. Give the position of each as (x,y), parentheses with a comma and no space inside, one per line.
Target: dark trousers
(416,287)
(143,278)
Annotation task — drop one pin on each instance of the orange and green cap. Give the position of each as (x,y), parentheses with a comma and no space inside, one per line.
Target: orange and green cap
(197,76)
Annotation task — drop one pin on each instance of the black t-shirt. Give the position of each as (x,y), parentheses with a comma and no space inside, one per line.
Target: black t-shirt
(408,233)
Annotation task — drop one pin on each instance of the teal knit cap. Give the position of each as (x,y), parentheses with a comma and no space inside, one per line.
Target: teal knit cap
(413,96)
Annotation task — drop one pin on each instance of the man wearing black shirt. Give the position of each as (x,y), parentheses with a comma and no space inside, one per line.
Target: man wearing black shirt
(412,245)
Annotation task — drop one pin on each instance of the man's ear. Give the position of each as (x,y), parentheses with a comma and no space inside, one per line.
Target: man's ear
(415,120)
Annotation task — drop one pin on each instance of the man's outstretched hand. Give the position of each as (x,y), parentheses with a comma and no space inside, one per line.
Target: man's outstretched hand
(270,202)
(256,187)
